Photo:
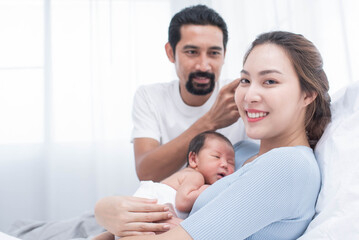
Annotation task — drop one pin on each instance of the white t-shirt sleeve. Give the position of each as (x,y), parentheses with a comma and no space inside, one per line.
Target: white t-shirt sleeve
(144,117)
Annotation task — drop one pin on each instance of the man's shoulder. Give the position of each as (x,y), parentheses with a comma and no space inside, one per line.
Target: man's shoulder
(161,86)
(157,93)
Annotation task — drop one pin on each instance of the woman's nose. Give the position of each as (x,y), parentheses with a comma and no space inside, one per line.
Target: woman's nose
(252,94)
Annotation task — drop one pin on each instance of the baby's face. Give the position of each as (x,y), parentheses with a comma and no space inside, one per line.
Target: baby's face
(215,159)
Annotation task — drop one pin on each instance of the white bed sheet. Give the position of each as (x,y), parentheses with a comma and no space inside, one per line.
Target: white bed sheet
(4,236)
(338,157)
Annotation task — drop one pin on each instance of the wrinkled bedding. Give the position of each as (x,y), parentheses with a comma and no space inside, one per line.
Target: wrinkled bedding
(82,227)
(338,157)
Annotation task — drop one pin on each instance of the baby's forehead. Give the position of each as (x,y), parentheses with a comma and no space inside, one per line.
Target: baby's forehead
(212,137)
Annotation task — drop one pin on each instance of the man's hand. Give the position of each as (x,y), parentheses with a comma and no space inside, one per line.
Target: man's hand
(224,111)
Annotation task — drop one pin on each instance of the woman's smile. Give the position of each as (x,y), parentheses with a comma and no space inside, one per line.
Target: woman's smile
(255,115)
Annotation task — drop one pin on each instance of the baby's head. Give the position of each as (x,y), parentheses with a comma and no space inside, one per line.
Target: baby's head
(211,154)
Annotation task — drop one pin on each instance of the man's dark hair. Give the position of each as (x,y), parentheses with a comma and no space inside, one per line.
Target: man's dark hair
(198,141)
(196,15)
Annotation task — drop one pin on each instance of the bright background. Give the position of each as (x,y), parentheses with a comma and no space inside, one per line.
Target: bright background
(68,72)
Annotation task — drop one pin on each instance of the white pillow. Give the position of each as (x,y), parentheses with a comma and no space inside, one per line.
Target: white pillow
(337,153)
(4,236)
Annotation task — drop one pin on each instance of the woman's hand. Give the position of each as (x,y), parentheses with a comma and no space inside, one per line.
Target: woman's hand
(174,221)
(128,216)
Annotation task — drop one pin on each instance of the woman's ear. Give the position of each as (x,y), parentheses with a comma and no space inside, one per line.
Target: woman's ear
(192,160)
(169,52)
(309,97)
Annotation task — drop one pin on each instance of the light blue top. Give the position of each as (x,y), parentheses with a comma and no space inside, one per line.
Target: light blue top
(272,197)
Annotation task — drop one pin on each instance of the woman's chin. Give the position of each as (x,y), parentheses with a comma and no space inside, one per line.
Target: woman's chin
(254,135)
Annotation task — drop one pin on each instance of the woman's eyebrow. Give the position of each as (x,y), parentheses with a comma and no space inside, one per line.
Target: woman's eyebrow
(245,72)
(264,72)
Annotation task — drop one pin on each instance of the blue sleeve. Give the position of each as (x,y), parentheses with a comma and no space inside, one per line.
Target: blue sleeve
(262,192)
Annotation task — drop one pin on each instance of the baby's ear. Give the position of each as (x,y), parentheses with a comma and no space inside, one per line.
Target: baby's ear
(192,160)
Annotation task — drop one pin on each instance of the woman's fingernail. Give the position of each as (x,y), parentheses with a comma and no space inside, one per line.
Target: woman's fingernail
(166,226)
(170,215)
(166,208)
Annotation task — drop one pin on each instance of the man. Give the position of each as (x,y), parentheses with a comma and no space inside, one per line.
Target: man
(168,115)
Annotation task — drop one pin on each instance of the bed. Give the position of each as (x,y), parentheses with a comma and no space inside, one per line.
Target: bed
(337,209)
(337,153)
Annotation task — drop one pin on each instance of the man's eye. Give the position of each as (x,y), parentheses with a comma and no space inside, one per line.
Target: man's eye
(215,53)
(191,52)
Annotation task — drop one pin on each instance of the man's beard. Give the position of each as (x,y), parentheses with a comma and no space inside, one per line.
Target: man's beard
(197,88)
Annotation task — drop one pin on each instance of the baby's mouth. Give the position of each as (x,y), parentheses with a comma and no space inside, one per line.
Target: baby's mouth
(221,175)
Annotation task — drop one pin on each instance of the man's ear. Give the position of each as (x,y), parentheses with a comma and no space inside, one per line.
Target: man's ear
(169,52)
(192,160)
(309,97)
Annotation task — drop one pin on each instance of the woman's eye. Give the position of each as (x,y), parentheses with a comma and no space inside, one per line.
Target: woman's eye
(270,82)
(244,81)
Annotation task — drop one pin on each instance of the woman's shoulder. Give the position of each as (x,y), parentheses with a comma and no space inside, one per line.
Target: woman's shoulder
(295,154)
(296,162)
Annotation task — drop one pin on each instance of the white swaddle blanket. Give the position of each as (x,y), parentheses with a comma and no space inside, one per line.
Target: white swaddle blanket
(162,192)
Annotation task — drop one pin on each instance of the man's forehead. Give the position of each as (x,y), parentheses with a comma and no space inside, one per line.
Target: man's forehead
(201,37)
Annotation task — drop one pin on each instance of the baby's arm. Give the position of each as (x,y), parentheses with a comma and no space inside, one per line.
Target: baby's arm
(191,187)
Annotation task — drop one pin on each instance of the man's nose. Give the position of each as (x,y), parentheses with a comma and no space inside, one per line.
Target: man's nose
(203,64)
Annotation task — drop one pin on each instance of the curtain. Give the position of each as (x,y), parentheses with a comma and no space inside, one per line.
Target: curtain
(69,70)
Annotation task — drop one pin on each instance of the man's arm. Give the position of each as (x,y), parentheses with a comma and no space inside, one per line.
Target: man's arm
(156,162)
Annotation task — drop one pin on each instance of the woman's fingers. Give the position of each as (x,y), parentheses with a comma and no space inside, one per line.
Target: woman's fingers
(145,205)
(149,208)
(149,216)
(146,227)
(135,233)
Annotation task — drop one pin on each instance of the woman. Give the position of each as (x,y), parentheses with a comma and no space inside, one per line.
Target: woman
(283,100)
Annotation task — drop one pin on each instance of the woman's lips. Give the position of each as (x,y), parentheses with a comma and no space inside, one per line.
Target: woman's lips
(256,115)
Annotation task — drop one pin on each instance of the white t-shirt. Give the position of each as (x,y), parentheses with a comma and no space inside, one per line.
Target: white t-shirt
(160,113)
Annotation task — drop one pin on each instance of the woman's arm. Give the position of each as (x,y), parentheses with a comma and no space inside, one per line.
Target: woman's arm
(177,233)
(127,216)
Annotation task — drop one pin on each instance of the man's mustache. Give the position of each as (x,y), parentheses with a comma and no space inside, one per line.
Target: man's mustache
(201,74)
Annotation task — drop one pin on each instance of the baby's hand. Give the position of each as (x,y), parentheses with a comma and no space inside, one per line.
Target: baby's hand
(203,187)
